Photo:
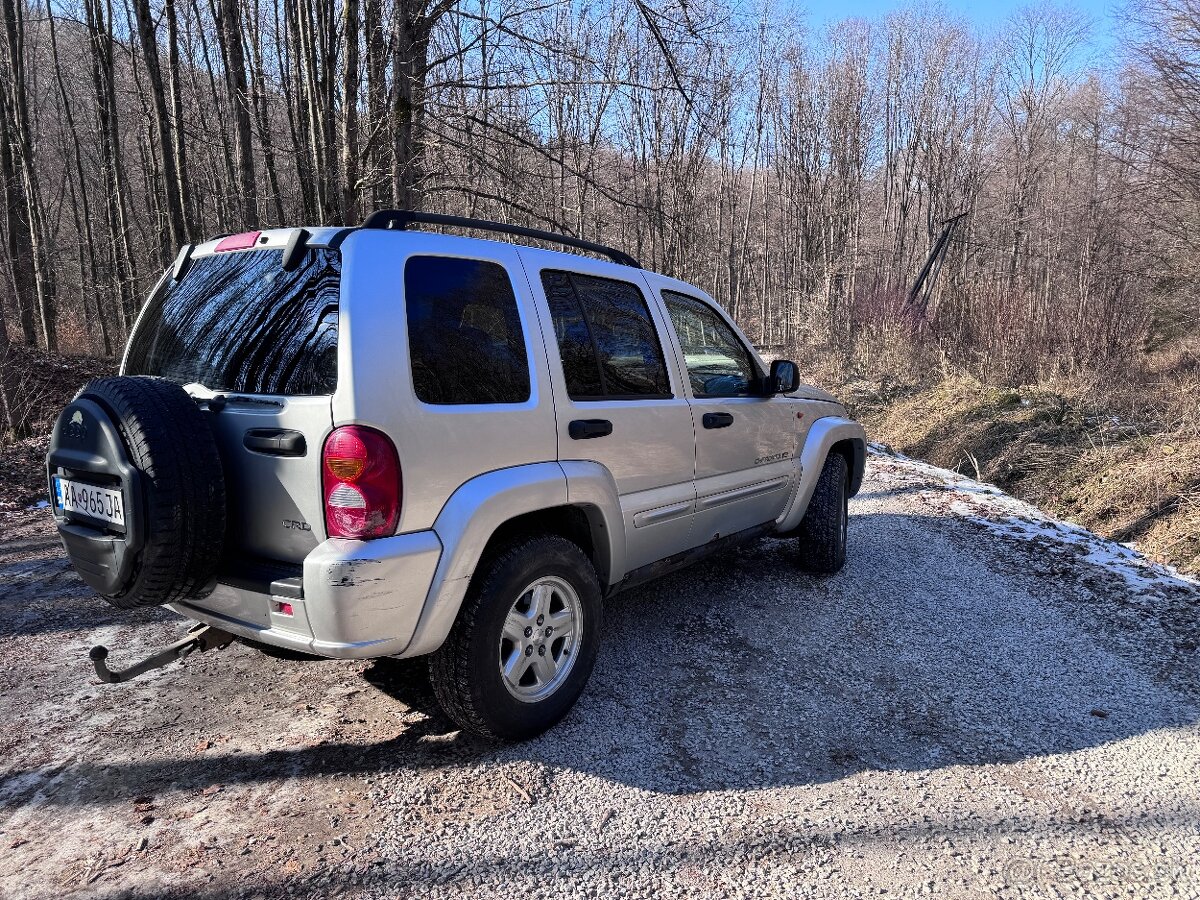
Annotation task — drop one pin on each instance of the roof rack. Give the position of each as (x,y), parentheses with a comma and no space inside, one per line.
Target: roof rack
(400,219)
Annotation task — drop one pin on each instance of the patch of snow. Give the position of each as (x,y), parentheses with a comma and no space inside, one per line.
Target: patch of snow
(1003,514)
(17,784)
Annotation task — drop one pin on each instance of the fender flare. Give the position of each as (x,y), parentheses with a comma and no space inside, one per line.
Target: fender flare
(822,436)
(480,506)
(592,487)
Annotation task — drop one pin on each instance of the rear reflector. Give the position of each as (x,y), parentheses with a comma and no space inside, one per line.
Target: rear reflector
(361,483)
(243,241)
(284,609)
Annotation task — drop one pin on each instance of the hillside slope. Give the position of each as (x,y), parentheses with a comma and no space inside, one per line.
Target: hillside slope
(1126,465)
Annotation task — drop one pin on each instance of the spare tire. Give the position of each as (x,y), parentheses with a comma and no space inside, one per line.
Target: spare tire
(137,491)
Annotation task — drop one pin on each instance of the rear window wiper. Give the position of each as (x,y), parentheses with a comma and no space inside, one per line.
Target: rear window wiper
(218,401)
(246,399)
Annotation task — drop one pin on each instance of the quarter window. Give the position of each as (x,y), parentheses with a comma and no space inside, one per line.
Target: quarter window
(464,332)
(718,363)
(609,347)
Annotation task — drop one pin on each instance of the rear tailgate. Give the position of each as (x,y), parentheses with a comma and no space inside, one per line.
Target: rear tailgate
(271,448)
(256,345)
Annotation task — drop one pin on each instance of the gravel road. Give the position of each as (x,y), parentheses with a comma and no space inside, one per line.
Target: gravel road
(985,703)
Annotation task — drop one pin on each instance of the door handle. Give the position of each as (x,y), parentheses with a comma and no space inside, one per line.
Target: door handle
(718,420)
(275,441)
(585,429)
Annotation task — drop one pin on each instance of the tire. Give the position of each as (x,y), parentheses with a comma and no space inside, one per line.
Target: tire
(466,671)
(147,437)
(821,535)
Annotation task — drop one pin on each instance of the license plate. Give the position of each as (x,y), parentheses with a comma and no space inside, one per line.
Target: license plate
(88,500)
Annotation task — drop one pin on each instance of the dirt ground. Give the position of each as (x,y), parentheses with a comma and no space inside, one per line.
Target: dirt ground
(985,703)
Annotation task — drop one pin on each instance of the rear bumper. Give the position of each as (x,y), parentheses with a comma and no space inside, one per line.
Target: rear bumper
(353,600)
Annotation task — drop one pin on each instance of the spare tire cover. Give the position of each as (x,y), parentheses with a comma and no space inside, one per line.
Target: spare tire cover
(139,449)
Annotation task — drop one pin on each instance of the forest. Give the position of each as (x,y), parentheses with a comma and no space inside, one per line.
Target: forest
(799,171)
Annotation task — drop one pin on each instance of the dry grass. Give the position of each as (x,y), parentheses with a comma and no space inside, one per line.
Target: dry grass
(1119,456)
(42,384)
(1115,447)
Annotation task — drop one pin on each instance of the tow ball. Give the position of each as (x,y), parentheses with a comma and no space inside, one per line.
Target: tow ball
(200,637)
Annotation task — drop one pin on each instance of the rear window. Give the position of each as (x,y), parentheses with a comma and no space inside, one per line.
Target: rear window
(239,322)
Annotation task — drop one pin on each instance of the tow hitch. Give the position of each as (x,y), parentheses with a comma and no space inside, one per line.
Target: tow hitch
(200,637)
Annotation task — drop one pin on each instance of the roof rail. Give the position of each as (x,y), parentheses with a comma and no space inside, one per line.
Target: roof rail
(400,219)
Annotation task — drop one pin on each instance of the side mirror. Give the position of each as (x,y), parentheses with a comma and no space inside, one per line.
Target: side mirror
(784,377)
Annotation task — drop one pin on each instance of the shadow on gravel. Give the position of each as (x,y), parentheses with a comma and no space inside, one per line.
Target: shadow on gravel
(920,488)
(744,673)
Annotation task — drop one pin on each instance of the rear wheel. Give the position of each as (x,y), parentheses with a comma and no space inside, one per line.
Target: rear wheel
(821,537)
(525,641)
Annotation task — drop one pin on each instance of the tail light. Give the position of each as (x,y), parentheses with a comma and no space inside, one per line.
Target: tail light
(360,480)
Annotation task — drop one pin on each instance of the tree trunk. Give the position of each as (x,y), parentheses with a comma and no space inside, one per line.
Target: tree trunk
(116,185)
(167,146)
(297,108)
(20,280)
(318,59)
(226,181)
(80,204)
(23,144)
(376,101)
(262,116)
(350,82)
(179,141)
(229,33)
(410,61)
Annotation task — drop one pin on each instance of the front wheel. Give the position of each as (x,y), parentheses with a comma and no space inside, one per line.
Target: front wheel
(525,641)
(821,536)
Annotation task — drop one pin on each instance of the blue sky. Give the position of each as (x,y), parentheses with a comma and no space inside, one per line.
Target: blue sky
(1104,13)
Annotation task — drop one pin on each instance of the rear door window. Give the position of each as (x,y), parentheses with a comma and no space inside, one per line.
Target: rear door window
(238,322)
(464,332)
(606,338)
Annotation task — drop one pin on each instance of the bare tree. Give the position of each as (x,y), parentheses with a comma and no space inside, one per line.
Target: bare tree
(800,177)
(22,147)
(229,34)
(170,190)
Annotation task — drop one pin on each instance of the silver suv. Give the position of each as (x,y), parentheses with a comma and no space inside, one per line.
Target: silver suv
(377,442)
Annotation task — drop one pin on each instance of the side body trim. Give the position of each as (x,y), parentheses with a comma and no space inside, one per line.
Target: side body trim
(741,493)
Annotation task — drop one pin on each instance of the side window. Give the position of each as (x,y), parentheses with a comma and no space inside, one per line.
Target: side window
(606,338)
(718,363)
(464,332)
